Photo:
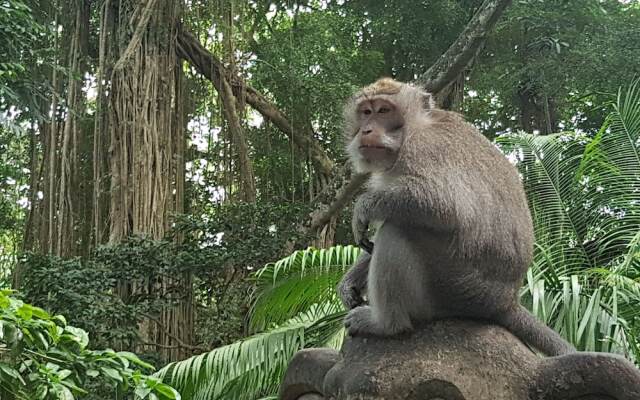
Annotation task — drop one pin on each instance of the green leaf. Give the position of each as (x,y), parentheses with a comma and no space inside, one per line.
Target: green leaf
(62,374)
(112,373)
(92,373)
(60,320)
(135,359)
(11,372)
(167,391)
(40,313)
(142,392)
(25,311)
(78,335)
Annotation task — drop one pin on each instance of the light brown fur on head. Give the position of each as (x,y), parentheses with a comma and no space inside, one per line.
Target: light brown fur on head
(381,86)
(407,98)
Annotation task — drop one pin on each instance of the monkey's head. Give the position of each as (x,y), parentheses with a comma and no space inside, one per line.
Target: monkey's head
(376,121)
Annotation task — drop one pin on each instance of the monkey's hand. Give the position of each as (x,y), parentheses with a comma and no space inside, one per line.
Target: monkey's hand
(354,283)
(350,294)
(359,322)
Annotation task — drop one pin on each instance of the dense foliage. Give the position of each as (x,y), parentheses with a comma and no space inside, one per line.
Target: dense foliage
(41,357)
(552,65)
(20,34)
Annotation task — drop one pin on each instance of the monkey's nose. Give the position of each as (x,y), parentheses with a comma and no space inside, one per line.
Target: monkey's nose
(367,131)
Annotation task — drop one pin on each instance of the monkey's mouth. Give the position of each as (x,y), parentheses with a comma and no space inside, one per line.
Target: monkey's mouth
(374,152)
(373,148)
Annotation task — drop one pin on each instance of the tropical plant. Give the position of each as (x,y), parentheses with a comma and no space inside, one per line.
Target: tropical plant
(41,357)
(584,194)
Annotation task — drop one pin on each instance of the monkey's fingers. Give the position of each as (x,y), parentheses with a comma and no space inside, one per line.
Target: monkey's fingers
(366,245)
(350,297)
(359,321)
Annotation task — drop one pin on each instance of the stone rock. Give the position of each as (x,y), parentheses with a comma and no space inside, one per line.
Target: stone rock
(455,360)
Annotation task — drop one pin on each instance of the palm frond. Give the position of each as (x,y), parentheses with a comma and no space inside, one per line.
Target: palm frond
(612,178)
(257,362)
(297,302)
(584,316)
(322,328)
(549,167)
(584,195)
(302,260)
(296,283)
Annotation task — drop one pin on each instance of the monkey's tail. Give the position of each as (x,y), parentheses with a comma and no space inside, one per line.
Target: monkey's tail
(532,331)
(573,376)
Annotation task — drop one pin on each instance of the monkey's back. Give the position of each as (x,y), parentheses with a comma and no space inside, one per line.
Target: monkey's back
(474,186)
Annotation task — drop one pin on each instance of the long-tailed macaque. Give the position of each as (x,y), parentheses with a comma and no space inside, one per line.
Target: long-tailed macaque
(454,233)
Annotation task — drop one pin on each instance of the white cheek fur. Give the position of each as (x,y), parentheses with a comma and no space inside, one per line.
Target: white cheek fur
(359,163)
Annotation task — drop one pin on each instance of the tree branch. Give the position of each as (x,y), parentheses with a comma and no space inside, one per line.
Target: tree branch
(341,191)
(190,49)
(461,52)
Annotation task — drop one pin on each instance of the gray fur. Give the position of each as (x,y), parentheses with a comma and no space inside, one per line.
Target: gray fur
(455,236)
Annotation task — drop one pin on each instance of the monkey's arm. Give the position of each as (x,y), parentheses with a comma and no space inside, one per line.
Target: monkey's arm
(354,282)
(406,202)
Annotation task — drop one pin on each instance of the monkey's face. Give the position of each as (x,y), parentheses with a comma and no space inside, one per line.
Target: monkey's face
(378,135)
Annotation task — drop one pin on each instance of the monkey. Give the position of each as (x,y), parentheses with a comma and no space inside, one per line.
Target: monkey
(454,235)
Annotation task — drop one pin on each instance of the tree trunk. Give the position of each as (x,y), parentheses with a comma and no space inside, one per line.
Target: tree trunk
(146,153)
(100,201)
(538,111)
(68,237)
(247,177)
(59,171)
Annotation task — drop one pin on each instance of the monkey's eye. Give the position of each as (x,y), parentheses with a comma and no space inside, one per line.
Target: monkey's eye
(384,110)
(367,112)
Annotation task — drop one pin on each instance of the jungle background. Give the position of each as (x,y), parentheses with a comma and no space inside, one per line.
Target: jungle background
(173,181)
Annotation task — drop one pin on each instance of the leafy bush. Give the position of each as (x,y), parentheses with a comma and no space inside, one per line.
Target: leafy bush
(83,291)
(41,357)
(221,249)
(218,251)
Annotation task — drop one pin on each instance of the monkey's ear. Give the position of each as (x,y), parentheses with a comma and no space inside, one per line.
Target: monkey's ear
(428,101)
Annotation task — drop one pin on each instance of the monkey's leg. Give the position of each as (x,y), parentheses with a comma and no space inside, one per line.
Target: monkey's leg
(354,282)
(395,282)
(586,375)
(532,331)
